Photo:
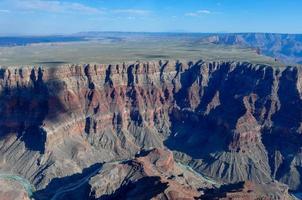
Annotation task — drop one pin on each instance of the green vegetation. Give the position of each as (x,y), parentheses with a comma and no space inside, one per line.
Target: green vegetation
(126,50)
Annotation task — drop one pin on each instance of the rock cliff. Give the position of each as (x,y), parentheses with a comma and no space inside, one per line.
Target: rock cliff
(230,121)
(283,47)
(151,175)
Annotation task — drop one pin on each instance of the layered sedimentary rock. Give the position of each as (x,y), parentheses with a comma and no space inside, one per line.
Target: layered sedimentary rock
(151,175)
(230,121)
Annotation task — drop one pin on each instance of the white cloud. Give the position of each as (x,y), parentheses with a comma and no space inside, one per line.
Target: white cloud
(131,18)
(191,14)
(198,13)
(54,6)
(4,11)
(132,11)
(204,11)
(67,7)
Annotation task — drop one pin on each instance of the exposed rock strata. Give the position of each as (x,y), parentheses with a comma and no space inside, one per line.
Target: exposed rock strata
(230,121)
(152,174)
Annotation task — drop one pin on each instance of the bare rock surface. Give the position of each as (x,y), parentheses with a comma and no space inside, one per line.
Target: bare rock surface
(230,121)
(10,190)
(249,191)
(151,175)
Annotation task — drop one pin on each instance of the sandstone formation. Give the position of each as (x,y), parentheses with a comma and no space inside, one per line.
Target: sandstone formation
(152,174)
(229,121)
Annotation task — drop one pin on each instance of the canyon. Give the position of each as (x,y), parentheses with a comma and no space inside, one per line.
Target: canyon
(163,130)
(284,47)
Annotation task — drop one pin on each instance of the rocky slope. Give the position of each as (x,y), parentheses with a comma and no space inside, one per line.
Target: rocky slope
(152,174)
(229,121)
(248,191)
(10,190)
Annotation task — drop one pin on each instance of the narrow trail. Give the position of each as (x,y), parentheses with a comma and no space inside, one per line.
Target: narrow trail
(75,185)
(79,183)
(206,179)
(30,189)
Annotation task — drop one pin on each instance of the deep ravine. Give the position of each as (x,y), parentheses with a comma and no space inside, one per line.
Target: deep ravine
(230,121)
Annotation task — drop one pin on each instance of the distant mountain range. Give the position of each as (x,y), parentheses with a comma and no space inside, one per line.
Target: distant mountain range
(284,47)
(27,40)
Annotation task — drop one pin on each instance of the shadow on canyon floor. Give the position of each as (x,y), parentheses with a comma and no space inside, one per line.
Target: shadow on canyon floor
(24,108)
(217,193)
(71,187)
(145,188)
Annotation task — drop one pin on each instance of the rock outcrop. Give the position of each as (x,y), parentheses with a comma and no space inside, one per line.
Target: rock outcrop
(248,191)
(151,175)
(230,121)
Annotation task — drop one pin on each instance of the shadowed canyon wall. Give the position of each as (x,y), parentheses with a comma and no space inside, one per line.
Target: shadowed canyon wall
(228,120)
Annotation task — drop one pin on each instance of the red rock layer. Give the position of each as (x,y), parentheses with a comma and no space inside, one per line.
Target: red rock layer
(151,175)
(231,121)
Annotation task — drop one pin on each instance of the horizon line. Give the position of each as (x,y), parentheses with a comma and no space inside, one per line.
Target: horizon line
(142,32)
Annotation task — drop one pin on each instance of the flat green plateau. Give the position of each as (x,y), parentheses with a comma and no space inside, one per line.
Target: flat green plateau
(140,49)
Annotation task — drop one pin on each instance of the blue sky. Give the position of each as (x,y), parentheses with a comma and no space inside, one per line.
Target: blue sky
(40,17)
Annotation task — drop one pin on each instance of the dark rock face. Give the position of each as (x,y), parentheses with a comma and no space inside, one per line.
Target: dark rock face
(23,111)
(238,118)
(248,191)
(152,174)
(230,121)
